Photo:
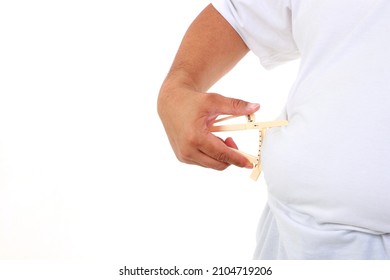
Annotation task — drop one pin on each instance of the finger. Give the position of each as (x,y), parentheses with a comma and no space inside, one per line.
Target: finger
(219,151)
(209,162)
(197,157)
(230,143)
(232,106)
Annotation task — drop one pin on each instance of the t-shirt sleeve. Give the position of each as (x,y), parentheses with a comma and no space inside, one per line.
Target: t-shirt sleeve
(264,25)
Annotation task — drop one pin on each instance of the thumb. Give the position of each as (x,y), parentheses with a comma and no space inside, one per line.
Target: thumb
(237,107)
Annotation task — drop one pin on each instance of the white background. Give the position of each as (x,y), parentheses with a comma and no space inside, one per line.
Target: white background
(86,171)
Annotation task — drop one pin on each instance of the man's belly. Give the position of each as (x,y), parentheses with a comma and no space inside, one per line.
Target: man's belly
(336,172)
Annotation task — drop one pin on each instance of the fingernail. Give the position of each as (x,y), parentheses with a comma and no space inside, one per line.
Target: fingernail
(252,106)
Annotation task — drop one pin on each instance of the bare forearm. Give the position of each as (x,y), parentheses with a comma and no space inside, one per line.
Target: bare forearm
(210,48)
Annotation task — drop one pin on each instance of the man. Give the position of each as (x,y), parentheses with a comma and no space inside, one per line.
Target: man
(327,171)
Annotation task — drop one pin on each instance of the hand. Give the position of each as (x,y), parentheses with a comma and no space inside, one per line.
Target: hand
(187,116)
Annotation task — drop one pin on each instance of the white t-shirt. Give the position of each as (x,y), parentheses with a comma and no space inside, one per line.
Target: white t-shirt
(333,199)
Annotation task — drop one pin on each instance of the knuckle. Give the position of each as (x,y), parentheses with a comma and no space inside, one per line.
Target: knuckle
(192,139)
(185,151)
(184,155)
(212,98)
(222,157)
(237,103)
